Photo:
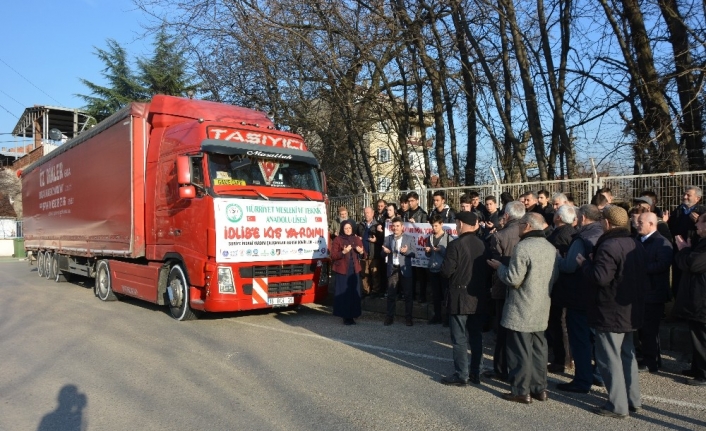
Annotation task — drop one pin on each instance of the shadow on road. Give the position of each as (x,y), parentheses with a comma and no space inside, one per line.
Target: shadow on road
(68,415)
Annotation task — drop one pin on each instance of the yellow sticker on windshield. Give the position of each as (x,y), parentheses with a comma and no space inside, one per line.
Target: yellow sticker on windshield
(222,182)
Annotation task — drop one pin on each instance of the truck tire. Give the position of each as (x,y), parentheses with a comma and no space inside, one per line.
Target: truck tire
(177,294)
(40,264)
(49,264)
(104,290)
(59,275)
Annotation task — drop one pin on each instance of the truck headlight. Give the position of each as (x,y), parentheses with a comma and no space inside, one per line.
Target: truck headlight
(225,280)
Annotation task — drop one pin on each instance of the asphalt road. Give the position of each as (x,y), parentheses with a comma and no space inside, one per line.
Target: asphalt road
(71,362)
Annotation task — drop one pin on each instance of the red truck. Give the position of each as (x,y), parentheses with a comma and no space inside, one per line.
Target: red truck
(197,205)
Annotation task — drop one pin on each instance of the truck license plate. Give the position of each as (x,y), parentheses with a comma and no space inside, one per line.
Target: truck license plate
(281,301)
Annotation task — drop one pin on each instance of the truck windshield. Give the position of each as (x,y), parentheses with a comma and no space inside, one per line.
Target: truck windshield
(247,170)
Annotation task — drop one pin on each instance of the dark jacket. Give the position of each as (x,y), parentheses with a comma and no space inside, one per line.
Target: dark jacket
(447,214)
(372,249)
(658,250)
(561,238)
(404,258)
(467,270)
(617,282)
(341,260)
(691,295)
(418,215)
(680,222)
(502,243)
(436,257)
(571,288)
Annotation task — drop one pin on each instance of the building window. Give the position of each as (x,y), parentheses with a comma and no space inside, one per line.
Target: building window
(384,155)
(384,184)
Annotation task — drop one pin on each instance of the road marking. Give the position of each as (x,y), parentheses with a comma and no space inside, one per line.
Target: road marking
(438,358)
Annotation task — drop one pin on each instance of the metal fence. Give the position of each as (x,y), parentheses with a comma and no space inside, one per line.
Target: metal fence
(669,188)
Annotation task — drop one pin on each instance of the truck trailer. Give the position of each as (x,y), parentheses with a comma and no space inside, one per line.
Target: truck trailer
(197,205)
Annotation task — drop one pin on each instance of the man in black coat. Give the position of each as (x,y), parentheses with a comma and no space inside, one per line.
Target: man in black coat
(465,267)
(682,222)
(560,238)
(617,281)
(659,259)
(691,298)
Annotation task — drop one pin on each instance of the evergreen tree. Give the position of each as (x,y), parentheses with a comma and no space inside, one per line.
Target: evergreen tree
(164,73)
(123,86)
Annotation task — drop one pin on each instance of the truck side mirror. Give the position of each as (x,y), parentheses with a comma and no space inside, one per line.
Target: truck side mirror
(187,192)
(183,170)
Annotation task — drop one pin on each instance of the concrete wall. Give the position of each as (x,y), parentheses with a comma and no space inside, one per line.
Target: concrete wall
(7,247)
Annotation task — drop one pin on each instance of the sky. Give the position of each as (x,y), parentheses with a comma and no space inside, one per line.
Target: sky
(47,45)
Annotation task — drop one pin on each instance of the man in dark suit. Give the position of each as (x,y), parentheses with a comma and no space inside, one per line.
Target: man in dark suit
(659,259)
(399,250)
(464,266)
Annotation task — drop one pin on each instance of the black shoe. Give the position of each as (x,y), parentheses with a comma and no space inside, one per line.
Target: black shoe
(493,375)
(523,399)
(540,396)
(696,382)
(408,321)
(388,321)
(348,322)
(454,380)
(607,413)
(571,387)
(555,368)
(641,368)
(688,373)
(474,378)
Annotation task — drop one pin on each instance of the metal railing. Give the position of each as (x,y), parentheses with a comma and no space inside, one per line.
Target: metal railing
(669,188)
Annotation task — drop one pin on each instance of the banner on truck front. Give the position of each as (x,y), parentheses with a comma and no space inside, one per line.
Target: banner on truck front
(267,231)
(420,232)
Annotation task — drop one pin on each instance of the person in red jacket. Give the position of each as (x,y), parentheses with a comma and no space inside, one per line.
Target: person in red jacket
(346,251)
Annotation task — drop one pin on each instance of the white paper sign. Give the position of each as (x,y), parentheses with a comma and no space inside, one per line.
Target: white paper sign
(420,232)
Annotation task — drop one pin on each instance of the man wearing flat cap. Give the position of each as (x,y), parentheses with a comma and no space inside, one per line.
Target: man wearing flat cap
(616,281)
(464,266)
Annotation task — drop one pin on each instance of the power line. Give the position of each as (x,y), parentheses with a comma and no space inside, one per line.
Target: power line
(18,102)
(8,111)
(31,83)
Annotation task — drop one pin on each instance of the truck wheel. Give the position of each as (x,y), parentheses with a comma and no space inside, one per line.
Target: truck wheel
(104,291)
(177,295)
(40,264)
(49,264)
(59,275)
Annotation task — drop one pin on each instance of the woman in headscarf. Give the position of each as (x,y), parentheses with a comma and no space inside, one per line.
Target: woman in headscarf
(346,252)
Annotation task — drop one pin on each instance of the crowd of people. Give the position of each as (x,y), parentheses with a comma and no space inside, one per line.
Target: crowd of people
(529,268)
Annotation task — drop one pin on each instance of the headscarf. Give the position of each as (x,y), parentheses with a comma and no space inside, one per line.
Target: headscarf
(347,239)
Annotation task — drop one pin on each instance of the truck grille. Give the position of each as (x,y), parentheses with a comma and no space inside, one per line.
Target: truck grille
(277,270)
(285,287)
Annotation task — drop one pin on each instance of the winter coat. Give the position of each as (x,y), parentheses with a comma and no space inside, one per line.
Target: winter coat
(418,215)
(617,282)
(502,243)
(530,275)
(341,260)
(691,295)
(365,231)
(467,269)
(658,251)
(447,214)
(681,223)
(572,287)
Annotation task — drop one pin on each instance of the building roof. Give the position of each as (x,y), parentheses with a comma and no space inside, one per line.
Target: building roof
(68,120)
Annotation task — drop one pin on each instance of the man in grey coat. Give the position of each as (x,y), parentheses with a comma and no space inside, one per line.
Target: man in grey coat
(530,275)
